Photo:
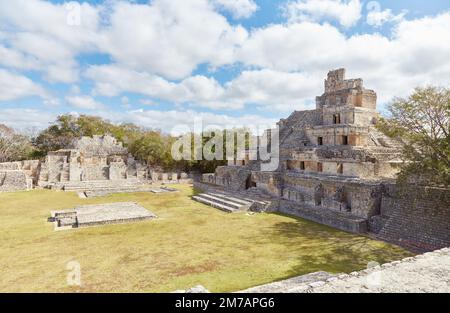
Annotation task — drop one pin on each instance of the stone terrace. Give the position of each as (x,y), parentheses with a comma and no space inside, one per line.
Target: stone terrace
(429,272)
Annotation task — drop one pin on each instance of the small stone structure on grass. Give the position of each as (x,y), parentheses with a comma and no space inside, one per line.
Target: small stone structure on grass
(99,214)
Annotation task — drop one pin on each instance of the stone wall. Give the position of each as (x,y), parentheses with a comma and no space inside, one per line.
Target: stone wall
(14,180)
(336,219)
(415,217)
(358,198)
(20,175)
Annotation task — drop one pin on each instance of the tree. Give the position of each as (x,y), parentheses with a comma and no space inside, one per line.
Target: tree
(67,127)
(422,121)
(149,147)
(13,146)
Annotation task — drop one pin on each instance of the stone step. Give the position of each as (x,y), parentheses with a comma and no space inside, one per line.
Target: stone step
(214,204)
(234,199)
(92,185)
(295,284)
(223,200)
(257,201)
(109,188)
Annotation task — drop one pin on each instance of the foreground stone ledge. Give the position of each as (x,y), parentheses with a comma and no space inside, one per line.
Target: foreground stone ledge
(425,273)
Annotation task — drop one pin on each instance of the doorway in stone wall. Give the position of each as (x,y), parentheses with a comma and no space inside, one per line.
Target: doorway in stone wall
(249,182)
(318,195)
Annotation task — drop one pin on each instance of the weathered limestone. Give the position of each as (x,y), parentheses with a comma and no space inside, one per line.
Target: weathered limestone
(333,166)
(99,214)
(14,180)
(424,273)
(224,202)
(414,217)
(291,284)
(93,164)
(329,158)
(90,159)
(16,176)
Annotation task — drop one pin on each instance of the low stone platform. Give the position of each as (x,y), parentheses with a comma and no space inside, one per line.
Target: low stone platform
(110,191)
(99,214)
(163,189)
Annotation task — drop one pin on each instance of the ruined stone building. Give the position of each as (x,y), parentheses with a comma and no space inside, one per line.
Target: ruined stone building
(100,162)
(333,164)
(97,158)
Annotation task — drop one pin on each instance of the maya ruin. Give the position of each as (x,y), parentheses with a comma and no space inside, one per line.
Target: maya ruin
(336,168)
(238,149)
(93,165)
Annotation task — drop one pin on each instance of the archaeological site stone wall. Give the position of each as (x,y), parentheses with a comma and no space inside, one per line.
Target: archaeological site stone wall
(14,180)
(333,168)
(414,217)
(16,176)
(88,159)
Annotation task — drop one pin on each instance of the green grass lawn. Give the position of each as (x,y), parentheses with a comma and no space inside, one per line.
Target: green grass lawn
(188,244)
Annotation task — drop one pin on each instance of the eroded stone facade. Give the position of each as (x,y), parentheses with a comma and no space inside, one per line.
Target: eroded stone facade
(100,162)
(333,162)
(97,158)
(16,176)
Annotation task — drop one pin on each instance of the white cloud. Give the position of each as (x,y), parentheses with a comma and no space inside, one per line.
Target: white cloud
(84,102)
(15,86)
(265,88)
(238,8)
(112,80)
(155,48)
(16,59)
(346,12)
(147,102)
(415,54)
(26,119)
(377,17)
(125,102)
(168,120)
(294,47)
(75,90)
(169,38)
(272,90)
(39,37)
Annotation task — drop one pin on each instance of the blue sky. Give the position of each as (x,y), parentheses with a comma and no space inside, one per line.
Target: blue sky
(166,62)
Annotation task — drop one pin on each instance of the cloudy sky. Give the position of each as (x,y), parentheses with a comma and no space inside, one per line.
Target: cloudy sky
(164,62)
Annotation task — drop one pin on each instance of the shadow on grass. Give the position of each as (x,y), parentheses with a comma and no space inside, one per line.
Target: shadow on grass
(318,247)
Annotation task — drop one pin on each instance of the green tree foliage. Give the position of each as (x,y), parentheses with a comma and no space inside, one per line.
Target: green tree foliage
(149,146)
(422,121)
(68,127)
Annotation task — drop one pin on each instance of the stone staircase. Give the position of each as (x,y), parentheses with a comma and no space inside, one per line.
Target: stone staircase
(65,173)
(382,140)
(125,185)
(224,202)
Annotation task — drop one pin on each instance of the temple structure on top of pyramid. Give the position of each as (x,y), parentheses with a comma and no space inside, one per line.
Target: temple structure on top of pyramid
(331,160)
